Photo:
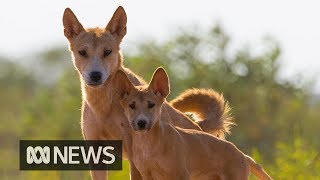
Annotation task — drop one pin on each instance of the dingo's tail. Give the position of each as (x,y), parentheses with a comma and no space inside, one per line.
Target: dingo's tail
(257,170)
(210,107)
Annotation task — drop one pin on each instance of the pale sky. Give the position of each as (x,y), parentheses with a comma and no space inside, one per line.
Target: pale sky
(34,25)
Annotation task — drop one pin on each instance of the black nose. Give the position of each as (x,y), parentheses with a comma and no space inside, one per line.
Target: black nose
(142,124)
(95,76)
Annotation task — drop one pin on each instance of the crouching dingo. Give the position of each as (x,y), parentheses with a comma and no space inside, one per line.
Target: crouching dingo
(162,151)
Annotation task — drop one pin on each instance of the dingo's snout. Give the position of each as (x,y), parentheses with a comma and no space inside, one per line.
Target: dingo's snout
(141,124)
(95,77)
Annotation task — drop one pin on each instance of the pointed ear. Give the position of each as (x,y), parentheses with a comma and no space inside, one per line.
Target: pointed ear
(118,23)
(72,26)
(123,84)
(160,83)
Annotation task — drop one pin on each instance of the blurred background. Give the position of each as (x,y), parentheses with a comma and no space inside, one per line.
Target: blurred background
(263,56)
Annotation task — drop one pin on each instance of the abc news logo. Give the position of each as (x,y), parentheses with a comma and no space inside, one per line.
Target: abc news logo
(70,155)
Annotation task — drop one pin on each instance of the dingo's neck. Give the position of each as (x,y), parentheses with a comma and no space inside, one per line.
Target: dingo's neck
(98,99)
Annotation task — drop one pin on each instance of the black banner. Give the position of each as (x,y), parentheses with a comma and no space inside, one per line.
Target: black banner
(70,155)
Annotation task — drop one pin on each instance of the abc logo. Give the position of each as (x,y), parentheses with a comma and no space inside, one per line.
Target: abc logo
(44,155)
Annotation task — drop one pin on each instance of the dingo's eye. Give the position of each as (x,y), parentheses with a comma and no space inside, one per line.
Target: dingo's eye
(106,53)
(132,105)
(150,104)
(83,53)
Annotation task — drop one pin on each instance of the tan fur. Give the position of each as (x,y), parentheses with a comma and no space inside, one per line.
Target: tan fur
(102,116)
(256,169)
(209,106)
(164,152)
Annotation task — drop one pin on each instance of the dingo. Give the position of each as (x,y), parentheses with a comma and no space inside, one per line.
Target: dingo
(162,151)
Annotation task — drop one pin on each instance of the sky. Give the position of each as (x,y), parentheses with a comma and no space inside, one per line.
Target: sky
(33,25)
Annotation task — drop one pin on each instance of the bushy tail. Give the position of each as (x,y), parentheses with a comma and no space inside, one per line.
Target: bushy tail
(210,106)
(257,170)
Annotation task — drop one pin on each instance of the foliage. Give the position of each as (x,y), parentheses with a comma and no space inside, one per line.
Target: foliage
(296,160)
(41,99)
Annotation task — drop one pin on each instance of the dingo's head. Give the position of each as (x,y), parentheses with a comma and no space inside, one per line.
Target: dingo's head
(142,104)
(95,51)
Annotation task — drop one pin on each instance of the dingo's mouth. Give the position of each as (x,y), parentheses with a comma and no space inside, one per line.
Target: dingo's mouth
(94,85)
